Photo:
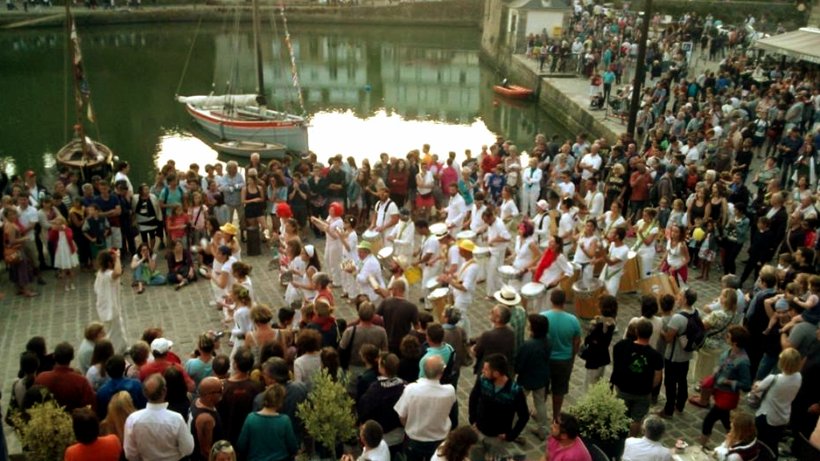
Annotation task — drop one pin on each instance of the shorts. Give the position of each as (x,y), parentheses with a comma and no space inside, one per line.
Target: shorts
(560,371)
(637,406)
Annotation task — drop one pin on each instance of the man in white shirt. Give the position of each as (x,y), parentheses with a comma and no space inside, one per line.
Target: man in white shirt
(531,179)
(566,188)
(566,225)
(370,273)
(615,260)
(590,163)
(463,283)
(430,259)
(541,222)
(594,199)
(456,210)
(476,221)
(155,432)
(29,218)
(386,213)
(498,237)
(403,235)
(648,447)
(371,435)
(424,410)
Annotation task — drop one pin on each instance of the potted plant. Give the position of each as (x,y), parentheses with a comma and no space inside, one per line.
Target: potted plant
(602,419)
(45,431)
(327,415)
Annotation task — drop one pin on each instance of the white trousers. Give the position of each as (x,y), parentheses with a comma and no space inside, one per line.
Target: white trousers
(612,283)
(493,277)
(529,198)
(116,332)
(333,260)
(646,261)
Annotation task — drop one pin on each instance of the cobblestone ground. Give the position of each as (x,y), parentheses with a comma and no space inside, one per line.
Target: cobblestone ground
(61,316)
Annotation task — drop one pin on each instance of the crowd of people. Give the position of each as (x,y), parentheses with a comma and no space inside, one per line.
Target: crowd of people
(724,161)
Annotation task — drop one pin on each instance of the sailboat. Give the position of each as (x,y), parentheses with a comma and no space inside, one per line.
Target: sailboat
(246,117)
(82,153)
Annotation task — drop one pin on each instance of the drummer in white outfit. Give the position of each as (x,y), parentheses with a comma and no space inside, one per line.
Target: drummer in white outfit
(646,231)
(541,222)
(508,210)
(587,250)
(611,219)
(350,257)
(531,179)
(454,258)
(476,222)
(526,255)
(615,259)
(498,237)
(567,223)
(463,283)
(553,267)
(430,254)
(386,213)
(370,270)
(456,210)
(403,235)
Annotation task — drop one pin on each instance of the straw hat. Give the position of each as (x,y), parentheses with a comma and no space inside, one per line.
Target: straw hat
(507,296)
(365,245)
(229,228)
(439,230)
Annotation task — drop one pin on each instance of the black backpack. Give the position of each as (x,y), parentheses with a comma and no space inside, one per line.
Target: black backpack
(449,370)
(695,332)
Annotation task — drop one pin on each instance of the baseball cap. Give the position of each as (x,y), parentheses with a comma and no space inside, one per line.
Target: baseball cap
(161,345)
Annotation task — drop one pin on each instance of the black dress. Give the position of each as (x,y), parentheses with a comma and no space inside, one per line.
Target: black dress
(595,350)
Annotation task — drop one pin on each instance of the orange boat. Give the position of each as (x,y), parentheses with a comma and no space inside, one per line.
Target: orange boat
(513,91)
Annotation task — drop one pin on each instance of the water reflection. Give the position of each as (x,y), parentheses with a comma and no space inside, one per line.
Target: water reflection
(366,91)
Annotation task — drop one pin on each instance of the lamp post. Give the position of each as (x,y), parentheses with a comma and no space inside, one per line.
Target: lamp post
(640,71)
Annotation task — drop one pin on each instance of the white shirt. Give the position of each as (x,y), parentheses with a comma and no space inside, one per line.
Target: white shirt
(476,222)
(28,217)
(456,211)
(404,231)
(454,257)
(643,449)
(542,226)
(426,186)
(217,268)
(498,229)
(566,225)
(595,203)
(384,211)
(370,267)
(559,267)
(524,256)
(107,290)
(610,224)
(590,160)
(585,243)
(674,256)
(380,453)
(620,253)
(532,178)
(157,434)
(431,246)
(692,154)
(508,210)
(777,404)
(425,406)
(567,189)
(468,274)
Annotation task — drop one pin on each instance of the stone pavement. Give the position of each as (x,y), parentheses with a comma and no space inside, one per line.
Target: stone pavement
(61,316)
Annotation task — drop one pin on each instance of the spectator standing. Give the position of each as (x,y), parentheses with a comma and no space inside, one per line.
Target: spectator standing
(500,339)
(267,434)
(206,424)
(69,388)
(399,315)
(90,445)
(424,408)
(676,358)
(779,391)
(532,369)
(238,394)
(115,369)
(565,339)
(156,433)
(495,402)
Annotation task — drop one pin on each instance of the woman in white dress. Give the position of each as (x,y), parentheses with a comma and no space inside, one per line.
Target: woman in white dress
(508,210)
(109,302)
(611,219)
(526,254)
(587,250)
(677,255)
(334,250)
(350,256)
(296,267)
(646,232)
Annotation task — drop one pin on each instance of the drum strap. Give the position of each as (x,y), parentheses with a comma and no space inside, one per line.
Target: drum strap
(608,275)
(641,234)
(464,268)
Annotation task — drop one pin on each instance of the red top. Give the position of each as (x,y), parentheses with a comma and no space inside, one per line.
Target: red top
(159,366)
(105,448)
(54,237)
(640,186)
(70,389)
(177,221)
(397,181)
(489,162)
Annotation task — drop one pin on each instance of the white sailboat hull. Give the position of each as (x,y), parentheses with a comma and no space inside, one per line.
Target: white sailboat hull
(249,123)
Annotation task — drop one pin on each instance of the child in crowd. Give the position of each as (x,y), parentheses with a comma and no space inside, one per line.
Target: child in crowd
(595,350)
(65,254)
(96,229)
(707,250)
(811,314)
(675,216)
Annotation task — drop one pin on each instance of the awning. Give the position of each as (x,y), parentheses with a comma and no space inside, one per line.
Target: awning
(803,44)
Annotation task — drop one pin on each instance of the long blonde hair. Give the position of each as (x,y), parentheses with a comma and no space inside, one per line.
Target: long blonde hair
(119,408)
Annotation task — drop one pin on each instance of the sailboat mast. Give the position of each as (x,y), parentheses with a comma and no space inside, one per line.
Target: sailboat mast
(79,129)
(260,84)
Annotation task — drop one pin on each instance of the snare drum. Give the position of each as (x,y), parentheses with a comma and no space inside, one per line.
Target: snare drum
(533,290)
(374,238)
(632,273)
(658,284)
(439,299)
(481,253)
(508,274)
(432,285)
(385,257)
(587,294)
(466,235)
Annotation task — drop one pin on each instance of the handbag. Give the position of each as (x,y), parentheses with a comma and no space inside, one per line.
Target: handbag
(11,255)
(726,400)
(755,398)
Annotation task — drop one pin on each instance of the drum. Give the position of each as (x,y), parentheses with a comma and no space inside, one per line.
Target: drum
(385,257)
(466,235)
(533,290)
(439,299)
(587,293)
(566,284)
(658,285)
(413,275)
(632,273)
(403,247)
(481,253)
(375,240)
(432,285)
(508,274)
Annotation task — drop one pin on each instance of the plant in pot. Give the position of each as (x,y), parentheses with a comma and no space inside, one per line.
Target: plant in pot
(327,415)
(45,431)
(602,419)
